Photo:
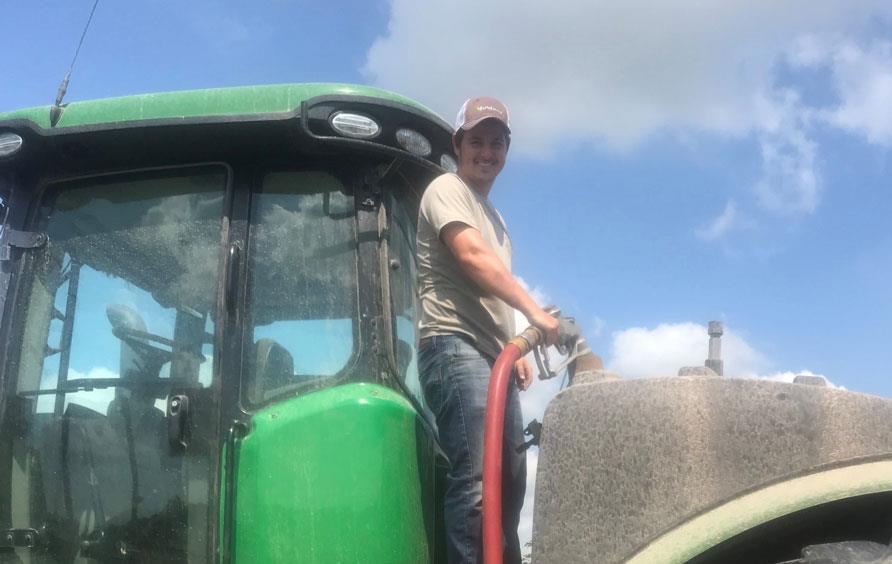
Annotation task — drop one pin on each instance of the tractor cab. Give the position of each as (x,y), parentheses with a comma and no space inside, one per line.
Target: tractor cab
(208,329)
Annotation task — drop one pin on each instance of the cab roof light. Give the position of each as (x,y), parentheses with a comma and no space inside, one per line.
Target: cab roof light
(10,143)
(448,163)
(355,125)
(413,142)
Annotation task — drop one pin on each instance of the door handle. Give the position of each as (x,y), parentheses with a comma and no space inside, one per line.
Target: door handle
(177,422)
(232,268)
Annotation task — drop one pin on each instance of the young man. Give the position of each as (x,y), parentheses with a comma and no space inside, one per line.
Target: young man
(467,295)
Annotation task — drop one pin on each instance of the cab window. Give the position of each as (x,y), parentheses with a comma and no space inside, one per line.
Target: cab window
(302,292)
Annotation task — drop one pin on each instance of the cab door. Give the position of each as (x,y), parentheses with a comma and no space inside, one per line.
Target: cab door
(110,400)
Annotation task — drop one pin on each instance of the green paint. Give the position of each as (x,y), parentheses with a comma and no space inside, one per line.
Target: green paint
(224,450)
(709,529)
(339,475)
(241,101)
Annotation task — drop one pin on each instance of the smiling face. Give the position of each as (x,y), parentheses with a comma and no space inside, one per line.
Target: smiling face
(481,154)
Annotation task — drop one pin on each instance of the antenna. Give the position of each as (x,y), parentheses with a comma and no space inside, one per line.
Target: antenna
(56,110)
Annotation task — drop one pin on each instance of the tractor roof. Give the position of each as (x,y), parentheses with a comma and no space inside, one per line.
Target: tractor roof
(190,104)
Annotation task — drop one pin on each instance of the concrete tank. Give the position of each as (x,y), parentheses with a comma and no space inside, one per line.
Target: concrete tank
(709,470)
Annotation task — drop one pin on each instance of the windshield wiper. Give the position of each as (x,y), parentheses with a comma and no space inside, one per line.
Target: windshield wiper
(88,385)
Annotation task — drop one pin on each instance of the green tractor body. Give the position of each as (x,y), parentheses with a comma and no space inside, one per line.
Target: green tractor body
(208,329)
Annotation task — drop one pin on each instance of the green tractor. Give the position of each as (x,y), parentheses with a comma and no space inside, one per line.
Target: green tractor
(207,354)
(208,330)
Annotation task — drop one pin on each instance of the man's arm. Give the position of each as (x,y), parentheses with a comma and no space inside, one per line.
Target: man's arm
(485,268)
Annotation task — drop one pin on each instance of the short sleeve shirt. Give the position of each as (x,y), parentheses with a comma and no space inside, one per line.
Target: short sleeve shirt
(452,303)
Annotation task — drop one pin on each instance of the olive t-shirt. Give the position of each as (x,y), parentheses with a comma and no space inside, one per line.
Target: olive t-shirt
(452,303)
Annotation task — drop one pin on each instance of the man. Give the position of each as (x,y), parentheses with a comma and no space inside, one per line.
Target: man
(467,295)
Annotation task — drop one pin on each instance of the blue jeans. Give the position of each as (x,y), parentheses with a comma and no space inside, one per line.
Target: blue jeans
(455,379)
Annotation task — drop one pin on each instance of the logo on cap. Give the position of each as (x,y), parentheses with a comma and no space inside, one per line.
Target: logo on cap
(490,109)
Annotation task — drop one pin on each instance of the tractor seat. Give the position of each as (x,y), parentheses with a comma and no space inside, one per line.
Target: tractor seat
(273,369)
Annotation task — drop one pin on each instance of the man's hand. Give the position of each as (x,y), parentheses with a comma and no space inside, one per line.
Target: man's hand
(523,374)
(546,323)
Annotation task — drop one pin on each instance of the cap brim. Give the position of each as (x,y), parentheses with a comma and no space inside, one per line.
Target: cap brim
(478,121)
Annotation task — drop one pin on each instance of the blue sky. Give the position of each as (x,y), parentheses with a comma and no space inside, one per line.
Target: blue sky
(670,165)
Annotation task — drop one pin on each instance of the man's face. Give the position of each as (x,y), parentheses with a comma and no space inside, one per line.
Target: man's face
(481,153)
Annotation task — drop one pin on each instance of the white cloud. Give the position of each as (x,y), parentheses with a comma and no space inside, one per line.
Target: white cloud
(603,71)
(864,81)
(720,225)
(789,376)
(640,352)
(790,183)
(861,75)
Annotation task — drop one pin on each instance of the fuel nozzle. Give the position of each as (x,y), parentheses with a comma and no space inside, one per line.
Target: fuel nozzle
(571,344)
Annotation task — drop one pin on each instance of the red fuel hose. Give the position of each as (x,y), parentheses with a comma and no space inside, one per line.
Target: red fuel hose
(492,452)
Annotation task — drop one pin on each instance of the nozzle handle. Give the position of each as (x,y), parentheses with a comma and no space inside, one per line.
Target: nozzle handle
(531,337)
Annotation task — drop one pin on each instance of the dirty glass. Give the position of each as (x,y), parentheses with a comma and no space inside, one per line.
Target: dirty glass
(302,291)
(403,296)
(115,318)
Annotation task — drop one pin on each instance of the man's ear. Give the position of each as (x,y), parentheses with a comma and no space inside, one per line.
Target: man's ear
(456,142)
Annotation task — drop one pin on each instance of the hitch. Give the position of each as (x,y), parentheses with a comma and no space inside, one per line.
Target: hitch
(534,431)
